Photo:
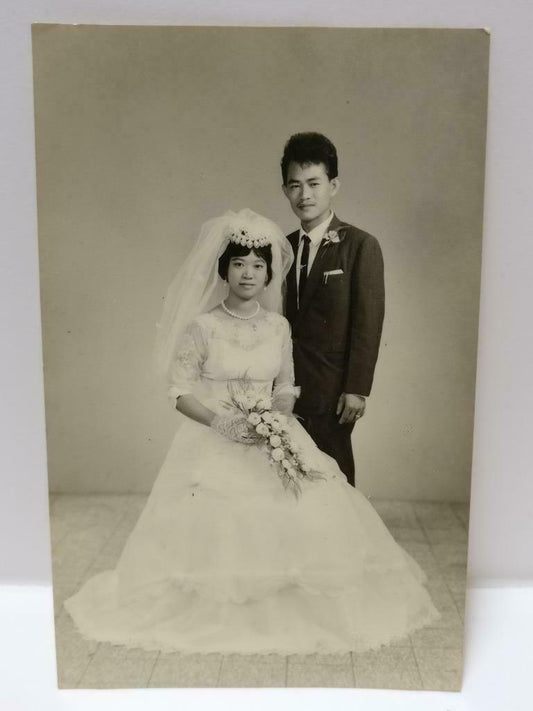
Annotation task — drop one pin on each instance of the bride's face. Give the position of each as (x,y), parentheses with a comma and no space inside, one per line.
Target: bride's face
(247,276)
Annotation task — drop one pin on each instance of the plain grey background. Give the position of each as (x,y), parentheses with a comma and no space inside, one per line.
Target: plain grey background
(144,133)
(502,516)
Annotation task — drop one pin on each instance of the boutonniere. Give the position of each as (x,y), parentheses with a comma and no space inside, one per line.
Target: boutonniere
(332,237)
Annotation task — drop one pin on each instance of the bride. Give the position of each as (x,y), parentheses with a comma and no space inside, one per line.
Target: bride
(240,549)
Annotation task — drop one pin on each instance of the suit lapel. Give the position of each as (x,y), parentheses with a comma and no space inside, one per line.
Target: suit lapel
(316,273)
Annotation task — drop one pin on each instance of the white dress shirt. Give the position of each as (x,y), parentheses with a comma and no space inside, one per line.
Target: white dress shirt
(316,235)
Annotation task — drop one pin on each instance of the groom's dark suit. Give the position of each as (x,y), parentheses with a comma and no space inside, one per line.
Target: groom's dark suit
(336,332)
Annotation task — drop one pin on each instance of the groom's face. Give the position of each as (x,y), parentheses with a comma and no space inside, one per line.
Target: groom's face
(310,191)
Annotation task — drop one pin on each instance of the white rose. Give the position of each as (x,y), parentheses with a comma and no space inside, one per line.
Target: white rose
(266,417)
(275,441)
(250,401)
(254,419)
(262,430)
(277,454)
(264,404)
(276,426)
(286,464)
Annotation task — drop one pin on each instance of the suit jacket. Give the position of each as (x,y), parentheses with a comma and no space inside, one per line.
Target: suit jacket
(337,329)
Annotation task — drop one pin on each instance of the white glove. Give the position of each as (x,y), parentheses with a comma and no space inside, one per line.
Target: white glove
(234,427)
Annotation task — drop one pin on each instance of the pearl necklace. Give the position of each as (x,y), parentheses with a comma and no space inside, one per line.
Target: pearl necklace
(242,318)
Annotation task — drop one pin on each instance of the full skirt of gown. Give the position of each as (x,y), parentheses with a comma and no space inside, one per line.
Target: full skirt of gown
(224,559)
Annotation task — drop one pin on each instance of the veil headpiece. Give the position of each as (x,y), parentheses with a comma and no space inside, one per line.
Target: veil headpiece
(197,287)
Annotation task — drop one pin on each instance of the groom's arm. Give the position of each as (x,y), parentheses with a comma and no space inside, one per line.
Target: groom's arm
(367,300)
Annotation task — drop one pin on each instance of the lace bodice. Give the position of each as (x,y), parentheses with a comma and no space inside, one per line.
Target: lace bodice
(218,349)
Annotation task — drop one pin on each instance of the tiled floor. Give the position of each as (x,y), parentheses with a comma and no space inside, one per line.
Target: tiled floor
(89,532)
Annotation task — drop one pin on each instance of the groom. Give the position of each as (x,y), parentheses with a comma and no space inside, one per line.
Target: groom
(334,300)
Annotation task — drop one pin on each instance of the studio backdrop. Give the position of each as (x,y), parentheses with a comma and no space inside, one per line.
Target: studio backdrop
(145,133)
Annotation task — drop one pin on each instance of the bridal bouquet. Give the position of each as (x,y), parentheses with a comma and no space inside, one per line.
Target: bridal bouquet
(270,431)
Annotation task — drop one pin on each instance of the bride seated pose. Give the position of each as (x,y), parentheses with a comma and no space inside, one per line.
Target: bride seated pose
(251,540)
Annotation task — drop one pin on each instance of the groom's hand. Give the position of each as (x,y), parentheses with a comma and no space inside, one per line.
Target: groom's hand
(350,407)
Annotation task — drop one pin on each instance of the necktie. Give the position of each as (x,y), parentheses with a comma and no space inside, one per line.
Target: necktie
(304,261)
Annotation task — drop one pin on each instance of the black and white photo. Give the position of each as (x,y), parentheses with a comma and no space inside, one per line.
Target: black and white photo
(260,474)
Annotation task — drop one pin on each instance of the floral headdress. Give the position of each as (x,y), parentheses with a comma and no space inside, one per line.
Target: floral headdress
(239,234)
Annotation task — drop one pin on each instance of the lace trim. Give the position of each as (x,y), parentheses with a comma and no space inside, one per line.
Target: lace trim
(360,643)
(363,637)
(243,334)
(186,368)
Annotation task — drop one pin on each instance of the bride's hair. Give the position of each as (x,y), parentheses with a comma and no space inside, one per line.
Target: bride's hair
(239,250)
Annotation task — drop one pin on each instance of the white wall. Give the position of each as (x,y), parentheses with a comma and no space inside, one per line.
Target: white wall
(143,133)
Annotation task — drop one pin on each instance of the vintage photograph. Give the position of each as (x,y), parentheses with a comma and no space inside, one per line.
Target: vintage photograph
(260,255)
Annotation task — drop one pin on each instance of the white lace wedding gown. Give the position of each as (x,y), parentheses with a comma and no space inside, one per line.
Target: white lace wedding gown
(224,559)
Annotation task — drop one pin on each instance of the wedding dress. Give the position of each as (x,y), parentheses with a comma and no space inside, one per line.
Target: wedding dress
(224,559)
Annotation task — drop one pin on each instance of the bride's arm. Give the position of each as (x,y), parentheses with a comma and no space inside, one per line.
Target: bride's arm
(233,425)
(185,374)
(285,393)
(191,407)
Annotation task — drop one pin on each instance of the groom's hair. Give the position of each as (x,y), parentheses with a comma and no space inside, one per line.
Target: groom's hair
(238,250)
(305,148)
